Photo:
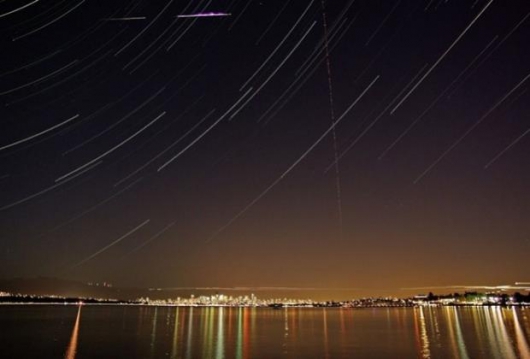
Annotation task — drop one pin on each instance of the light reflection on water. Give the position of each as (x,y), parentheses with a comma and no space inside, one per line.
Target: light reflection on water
(462,350)
(174,348)
(72,346)
(522,344)
(425,351)
(244,333)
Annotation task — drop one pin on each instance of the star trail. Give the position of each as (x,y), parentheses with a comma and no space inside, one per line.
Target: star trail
(265,144)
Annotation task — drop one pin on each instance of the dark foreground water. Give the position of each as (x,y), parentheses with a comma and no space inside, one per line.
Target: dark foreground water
(165,332)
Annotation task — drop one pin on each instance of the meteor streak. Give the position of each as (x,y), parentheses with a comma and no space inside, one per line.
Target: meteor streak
(205,14)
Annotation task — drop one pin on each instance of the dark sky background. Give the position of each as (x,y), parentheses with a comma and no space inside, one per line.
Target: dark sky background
(145,149)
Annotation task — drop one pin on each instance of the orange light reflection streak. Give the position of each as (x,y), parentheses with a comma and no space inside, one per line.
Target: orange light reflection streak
(72,347)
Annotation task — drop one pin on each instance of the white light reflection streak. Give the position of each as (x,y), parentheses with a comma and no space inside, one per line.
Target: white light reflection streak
(461,344)
(190,334)
(506,349)
(285,330)
(175,335)
(522,344)
(153,332)
(220,352)
(449,320)
(425,351)
(239,345)
(492,335)
(326,341)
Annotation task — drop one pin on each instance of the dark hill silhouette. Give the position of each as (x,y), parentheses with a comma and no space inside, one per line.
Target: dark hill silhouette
(66,288)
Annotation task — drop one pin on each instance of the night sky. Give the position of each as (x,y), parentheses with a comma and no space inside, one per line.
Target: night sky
(347,147)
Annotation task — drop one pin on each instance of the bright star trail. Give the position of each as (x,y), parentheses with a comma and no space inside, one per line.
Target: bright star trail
(111,244)
(266,144)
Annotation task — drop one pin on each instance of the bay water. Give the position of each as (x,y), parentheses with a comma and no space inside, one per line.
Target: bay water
(138,332)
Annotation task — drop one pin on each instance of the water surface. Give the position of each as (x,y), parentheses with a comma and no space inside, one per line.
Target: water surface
(177,332)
